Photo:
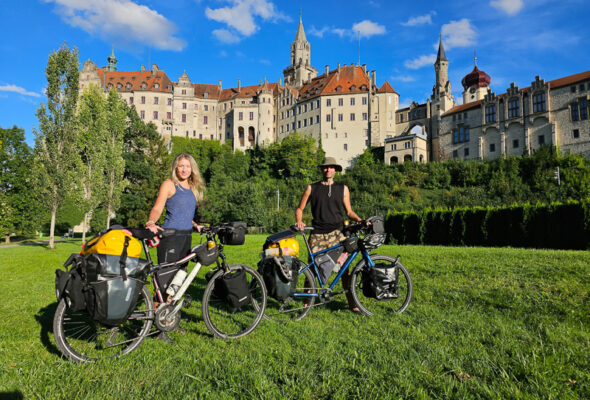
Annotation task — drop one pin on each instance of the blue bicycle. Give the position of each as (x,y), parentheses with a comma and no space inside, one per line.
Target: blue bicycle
(378,283)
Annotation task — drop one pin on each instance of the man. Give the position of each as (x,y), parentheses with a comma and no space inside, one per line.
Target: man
(328,199)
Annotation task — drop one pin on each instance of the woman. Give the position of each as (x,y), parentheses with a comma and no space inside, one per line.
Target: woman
(180,194)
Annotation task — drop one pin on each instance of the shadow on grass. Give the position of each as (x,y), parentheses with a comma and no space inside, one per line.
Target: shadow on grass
(45,318)
(11,395)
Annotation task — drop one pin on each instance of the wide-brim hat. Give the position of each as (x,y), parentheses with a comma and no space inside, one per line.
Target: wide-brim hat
(331,162)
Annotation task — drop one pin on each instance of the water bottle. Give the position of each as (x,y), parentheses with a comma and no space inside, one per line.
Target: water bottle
(176,282)
(341,260)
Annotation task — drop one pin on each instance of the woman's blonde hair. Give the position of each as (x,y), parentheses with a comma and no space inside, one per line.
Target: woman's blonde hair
(195,180)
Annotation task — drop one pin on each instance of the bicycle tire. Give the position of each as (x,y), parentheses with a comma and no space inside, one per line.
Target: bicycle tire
(226,322)
(293,308)
(368,305)
(80,338)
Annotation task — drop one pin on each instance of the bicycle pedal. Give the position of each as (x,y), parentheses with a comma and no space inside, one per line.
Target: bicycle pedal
(187,301)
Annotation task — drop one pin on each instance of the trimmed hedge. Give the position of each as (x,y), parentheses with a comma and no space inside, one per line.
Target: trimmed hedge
(553,226)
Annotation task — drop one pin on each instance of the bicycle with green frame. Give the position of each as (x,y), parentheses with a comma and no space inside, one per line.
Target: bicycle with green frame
(313,286)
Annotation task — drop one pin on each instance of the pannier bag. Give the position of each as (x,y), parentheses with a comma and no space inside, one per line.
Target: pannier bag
(381,282)
(232,288)
(233,234)
(111,294)
(70,284)
(280,276)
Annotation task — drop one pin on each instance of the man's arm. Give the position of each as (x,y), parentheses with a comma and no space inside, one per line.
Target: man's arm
(299,210)
(346,200)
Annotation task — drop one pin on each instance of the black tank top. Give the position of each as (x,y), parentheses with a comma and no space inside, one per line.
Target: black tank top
(327,210)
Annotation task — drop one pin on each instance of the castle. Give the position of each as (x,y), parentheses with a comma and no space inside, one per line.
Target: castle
(347,112)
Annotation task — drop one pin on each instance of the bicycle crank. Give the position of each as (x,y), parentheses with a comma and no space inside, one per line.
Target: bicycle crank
(167,317)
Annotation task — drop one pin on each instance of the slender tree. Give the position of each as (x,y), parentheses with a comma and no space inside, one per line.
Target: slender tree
(92,143)
(56,155)
(114,172)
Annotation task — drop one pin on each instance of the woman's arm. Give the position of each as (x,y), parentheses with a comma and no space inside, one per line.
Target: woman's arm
(166,190)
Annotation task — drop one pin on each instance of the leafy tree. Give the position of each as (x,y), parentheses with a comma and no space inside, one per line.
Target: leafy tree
(114,173)
(17,189)
(92,142)
(146,166)
(57,159)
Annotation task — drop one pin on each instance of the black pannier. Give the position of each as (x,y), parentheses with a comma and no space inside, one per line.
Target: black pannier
(381,282)
(70,284)
(280,276)
(112,289)
(233,234)
(233,287)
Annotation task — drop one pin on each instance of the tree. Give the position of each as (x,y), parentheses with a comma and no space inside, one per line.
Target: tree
(146,159)
(114,173)
(56,156)
(19,210)
(92,142)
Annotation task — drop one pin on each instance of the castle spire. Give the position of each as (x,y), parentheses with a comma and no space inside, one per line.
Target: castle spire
(300,36)
(441,56)
(112,60)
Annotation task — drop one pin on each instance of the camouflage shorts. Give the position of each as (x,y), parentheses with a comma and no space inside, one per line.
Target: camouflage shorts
(320,241)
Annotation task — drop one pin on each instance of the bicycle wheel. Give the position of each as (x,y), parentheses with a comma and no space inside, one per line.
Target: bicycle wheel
(293,308)
(80,338)
(227,322)
(369,305)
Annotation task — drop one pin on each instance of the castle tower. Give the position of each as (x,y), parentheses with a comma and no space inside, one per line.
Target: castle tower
(300,71)
(475,84)
(441,99)
(112,60)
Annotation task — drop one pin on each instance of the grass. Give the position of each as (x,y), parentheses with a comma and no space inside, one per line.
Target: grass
(484,323)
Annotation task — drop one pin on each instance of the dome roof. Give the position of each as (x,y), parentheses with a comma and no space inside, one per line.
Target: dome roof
(476,78)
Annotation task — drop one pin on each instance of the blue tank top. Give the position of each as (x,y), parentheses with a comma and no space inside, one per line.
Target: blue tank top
(180,209)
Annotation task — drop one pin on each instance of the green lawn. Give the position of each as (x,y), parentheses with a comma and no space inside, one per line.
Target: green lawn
(483,323)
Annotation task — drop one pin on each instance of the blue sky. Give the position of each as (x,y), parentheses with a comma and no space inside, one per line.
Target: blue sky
(249,39)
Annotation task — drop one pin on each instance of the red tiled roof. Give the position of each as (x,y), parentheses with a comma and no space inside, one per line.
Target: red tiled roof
(246,91)
(133,80)
(202,88)
(350,79)
(386,88)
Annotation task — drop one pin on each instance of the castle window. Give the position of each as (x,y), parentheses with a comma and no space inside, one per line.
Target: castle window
(491,113)
(131,100)
(128,85)
(583,109)
(352,117)
(515,144)
(183,117)
(338,88)
(365,116)
(328,117)
(455,154)
(156,100)
(539,102)
(119,86)
(574,112)
(144,85)
(156,85)
(142,114)
(492,147)
(341,101)
(345,147)
(573,89)
(170,101)
(251,116)
(142,99)
(582,87)
(576,133)
(353,88)
(155,115)
(513,108)
(352,101)
(340,117)
(364,101)
(328,102)
(206,95)
(240,116)
(206,107)
(168,115)
(317,119)
(311,120)
(541,139)
(184,106)
(466,151)
(205,120)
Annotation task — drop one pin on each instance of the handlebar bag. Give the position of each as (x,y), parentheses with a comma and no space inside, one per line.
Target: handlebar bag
(233,234)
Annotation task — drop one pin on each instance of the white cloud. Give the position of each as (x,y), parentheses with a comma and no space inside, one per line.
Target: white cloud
(240,15)
(420,20)
(225,36)
(368,28)
(510,7)
(121,21)
(458,34)
(19,90)
(420,61)
(403,78)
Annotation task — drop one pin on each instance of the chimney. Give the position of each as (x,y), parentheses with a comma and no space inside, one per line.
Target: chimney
(365,68)
(338,68)
(326,70)
(280,81)
(239,84)
(220,85)
(142,68)
(373,78)
(154,69)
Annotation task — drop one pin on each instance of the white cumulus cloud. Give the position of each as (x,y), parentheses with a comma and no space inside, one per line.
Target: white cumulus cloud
(458,34)
(420,20)
(240,16)
(420,61)
(510,7)
(368,28)
(19,90)
(225,36)
(123,21)
(403,78)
